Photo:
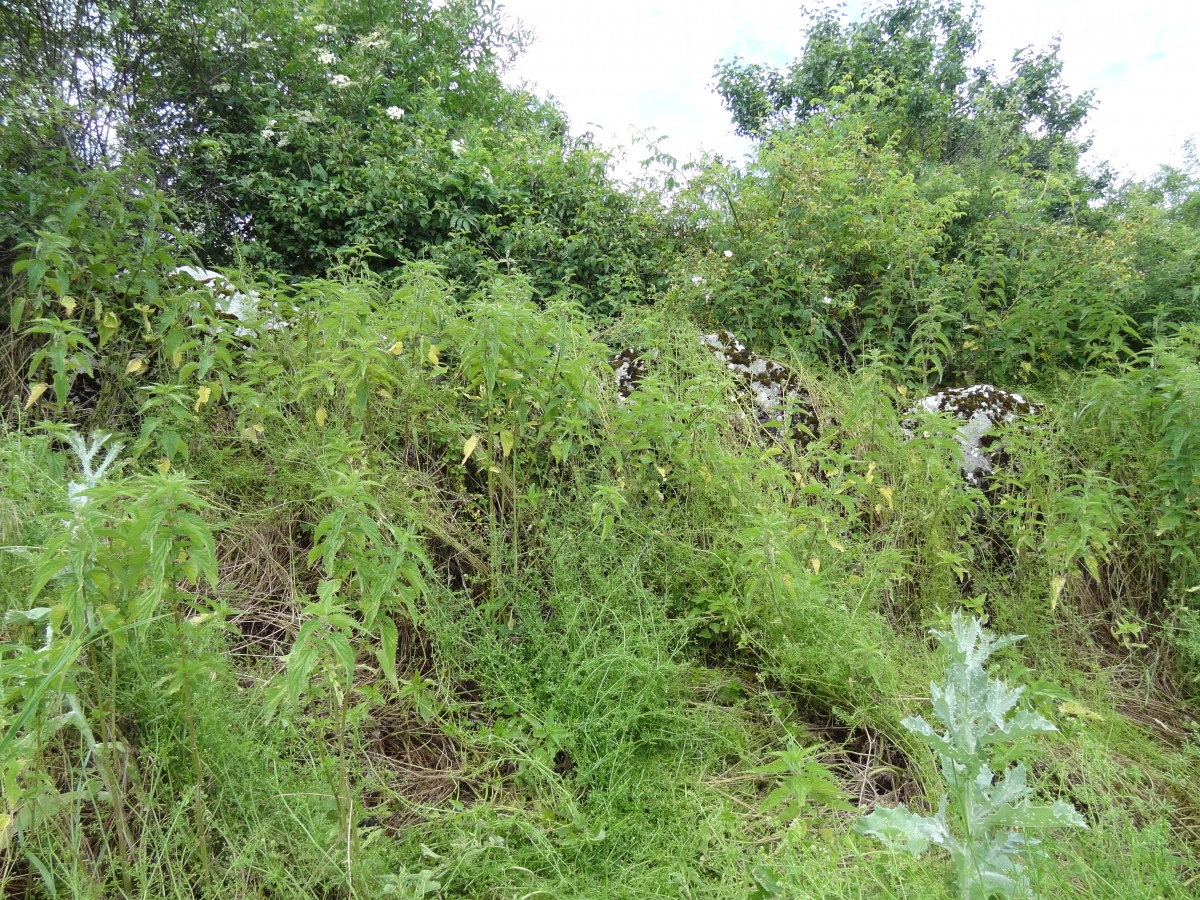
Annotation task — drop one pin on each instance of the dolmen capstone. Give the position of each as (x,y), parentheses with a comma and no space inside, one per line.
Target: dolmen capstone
(980,408)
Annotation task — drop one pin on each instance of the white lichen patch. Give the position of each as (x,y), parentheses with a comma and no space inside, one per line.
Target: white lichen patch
(980,407)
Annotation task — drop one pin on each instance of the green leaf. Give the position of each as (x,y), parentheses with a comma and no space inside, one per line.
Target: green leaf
(388,641)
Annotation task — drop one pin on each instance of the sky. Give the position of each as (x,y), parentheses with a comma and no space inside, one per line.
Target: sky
(622,68)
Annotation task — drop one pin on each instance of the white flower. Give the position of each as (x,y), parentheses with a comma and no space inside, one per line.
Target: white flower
(729,254)
(267,134)
(395,112)
(306,117)
(453,85)
(325,29)
(221,87)
(283,141)
(339,81)
(698,280)
(826,300)
(326,58)
(251,45)
(456,147)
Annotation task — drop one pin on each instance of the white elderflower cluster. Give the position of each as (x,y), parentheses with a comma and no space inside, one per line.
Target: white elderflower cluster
(222,87)
(456,147)
(322,28)
(326,58)
(395,113)
(341,82)
(268,132)
(729,254)
(305,117)
(373,41)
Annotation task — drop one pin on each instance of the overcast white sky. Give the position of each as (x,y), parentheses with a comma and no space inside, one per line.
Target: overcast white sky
(623,66)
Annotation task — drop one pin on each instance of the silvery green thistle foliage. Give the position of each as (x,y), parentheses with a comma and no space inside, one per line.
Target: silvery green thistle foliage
(974,709)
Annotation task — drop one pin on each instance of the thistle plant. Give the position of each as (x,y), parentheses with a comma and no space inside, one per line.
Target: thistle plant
(975,711)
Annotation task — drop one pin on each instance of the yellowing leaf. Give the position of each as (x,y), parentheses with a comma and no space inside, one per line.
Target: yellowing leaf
(397,348)
(969,345)
(506,443)
(1079,711)
(134,366)
(35,393)
(816,566)
(433,355)
(68,304)
(901,390)
(799,476)
(250,434)
(469,447)
(202,396)
(108,326)
(1056,588)
(835,544)
(177,358)
(163,464)
(886,492)
(321,417)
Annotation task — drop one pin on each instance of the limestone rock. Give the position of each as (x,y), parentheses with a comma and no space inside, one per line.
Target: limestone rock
(980,407)
(774,391)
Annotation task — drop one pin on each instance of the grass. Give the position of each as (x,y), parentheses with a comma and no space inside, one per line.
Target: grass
(583,705)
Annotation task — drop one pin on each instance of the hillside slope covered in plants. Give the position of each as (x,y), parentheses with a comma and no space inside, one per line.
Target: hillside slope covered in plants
(396,504)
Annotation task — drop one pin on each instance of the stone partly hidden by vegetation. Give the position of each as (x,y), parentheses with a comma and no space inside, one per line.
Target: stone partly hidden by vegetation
(395,504)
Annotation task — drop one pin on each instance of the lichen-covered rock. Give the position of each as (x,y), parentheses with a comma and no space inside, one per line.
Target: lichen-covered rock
(776,394)
(629,367)
(233,303)
(981,407)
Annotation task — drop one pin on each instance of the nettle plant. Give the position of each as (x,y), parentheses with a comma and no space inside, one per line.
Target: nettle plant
(976,821)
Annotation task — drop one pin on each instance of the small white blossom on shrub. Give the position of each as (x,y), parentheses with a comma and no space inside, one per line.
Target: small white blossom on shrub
(251,45)
(456,147)
(306,117)
(325,29)
(326,58)
(221,87)
(341,82)
(698,280)
(395,112)
(373,41)
(729,254)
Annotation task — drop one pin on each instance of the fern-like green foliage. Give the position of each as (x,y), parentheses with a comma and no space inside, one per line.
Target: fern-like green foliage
(977,713)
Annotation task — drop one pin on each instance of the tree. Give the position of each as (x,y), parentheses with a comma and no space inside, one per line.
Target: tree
(919,52)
